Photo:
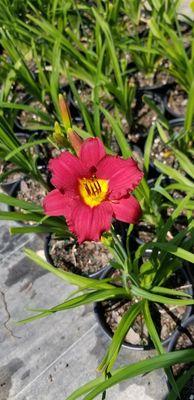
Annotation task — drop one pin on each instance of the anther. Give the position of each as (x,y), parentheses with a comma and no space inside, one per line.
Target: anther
(92,189)
(87,189)
(97,187)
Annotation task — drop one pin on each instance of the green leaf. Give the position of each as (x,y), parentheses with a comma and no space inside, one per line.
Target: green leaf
(26,205)
(120,137)
(24,147)
(69,276)
(177,251)
(156,340)
(86,298)
(148,295)
(99,385)
(185,163)
(54,77)
(173,173)
(111,47)
(155,108)
(172,292)
(148,146)
(36,229)
(181,382)
(118,337)
(190,109)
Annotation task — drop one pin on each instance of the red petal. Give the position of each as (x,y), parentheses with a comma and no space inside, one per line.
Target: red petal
(127,210)
(66,169)
(89,223)
(123,175)
(55,204)
(92,151)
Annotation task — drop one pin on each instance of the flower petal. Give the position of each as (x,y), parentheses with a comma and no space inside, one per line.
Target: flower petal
(89,223)
(55,204)
(66,169)
(92,151)
(123,175)
(127,209)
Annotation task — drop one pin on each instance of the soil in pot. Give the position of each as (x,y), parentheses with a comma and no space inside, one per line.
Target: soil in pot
(154,80)
(13,177)
(166,317)
(28,190)
(85,259)
(177,100)
(31,190)
(143,118)
(162,153)
(177,195)
(146,233)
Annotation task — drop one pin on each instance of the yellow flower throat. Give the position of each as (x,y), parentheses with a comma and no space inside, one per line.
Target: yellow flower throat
(93,191)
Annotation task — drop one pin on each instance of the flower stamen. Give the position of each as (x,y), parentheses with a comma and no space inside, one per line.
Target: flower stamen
(93,190)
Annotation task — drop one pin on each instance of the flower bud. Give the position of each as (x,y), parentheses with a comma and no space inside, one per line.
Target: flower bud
(58,136)
(65,113)
(75,140)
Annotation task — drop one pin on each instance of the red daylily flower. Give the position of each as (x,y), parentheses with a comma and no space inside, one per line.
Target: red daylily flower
(93,188)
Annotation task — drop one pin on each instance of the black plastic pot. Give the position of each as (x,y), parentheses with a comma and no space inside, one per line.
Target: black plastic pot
(16,187)
(188,321)
(7,187)
(13,193)
(172,344)
(160,89)
(11,186)
(98,310)
(94,275)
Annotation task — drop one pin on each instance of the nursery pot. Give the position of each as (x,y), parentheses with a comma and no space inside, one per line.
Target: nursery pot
(76,270)
(188,321)
(12,186)
(9,187)
(99,313)
(38,195)
(160,88)
(172,347)
(13,193)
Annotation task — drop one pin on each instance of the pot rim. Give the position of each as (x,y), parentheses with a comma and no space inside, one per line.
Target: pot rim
(178,332)
(149,346)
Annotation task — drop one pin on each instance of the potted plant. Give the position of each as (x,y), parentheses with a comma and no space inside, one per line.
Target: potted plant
(142,280)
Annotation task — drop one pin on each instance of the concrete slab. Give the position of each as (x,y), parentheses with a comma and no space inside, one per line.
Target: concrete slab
(36,345)
(77,365)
